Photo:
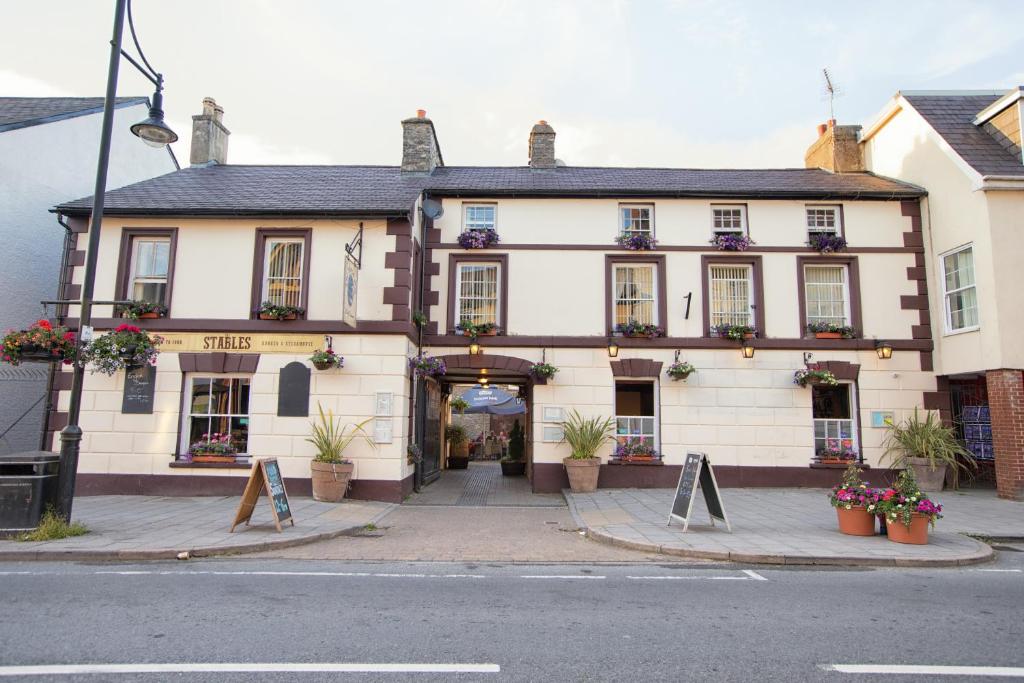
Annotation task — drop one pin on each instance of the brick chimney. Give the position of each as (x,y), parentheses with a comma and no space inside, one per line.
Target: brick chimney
(421,152)
(209,136)
(542,146)
(837,149)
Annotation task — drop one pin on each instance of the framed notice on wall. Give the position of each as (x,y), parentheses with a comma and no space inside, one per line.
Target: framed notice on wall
(350,292)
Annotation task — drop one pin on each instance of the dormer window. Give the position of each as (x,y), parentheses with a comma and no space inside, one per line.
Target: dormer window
(729,219)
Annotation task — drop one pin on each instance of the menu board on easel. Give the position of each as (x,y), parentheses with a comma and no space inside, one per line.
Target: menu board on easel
(697,472)
(265,476)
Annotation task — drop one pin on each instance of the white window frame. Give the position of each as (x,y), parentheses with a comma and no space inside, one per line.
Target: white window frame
(947,313)
(744,228)
(837,219)
(134,279)
(655,432)
(632,231)
(854,423)
(467,224)
(458,289)
(751,294)
(186,412)
(847,313)
(654,290)
(268,247)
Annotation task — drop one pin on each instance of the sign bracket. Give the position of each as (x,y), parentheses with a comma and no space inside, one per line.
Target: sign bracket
(355,248)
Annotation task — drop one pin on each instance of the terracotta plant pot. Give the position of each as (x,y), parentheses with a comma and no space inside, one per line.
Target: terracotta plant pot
(330,480)
(213,458)
(492,333)
(749,335)
(513,469)
(927,478)
(917,534)
(828,335)
(856,521)
(152,315)
(583,474)
(266,316)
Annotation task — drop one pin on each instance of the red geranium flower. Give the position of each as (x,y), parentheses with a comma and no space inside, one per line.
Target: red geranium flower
(128,328)
(44,325)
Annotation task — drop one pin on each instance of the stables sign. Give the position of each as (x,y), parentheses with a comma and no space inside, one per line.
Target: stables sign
(185,342)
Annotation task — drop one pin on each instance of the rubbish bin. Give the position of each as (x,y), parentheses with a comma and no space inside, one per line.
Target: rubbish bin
(28,481)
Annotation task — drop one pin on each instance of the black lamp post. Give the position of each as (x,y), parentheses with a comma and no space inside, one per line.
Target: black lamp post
(153,132)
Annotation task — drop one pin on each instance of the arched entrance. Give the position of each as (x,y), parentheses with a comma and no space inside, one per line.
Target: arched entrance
(508,372)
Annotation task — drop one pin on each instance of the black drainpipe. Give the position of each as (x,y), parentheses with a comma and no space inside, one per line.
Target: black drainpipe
(62,280)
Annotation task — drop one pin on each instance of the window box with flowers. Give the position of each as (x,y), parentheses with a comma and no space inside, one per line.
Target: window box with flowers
(836,452)
(856,504)
(271,311)
(731,241)
(327,360)
(211,448)
(735,332)
(125,347)
(812,375)
(826,242)
(636,330)
(142,310)
(635,450)
(40,343)
(475,238)
(469,329)
(823,330)
(636,241)
(425,365)
(680,370)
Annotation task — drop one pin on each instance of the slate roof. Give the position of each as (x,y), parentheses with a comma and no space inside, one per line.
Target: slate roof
(952,116)
(382,190)
(22,112)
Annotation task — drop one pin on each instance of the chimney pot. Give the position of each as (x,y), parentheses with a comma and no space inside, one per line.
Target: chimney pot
(822,127)
(837,149)
(209,136)
(421,113)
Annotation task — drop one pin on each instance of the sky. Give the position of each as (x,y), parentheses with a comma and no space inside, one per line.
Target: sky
(675,83)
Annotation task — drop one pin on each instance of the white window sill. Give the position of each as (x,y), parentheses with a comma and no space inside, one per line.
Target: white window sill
(966,330)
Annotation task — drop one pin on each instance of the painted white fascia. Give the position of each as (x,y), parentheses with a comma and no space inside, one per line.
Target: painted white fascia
(891,109)
(1002,182)
(999,105)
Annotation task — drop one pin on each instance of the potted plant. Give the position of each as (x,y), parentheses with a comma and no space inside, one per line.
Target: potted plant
(543,371)
(635,449)
(514,464)
(585,436)
(929,448)
(824,330)
(271,311)
(331,472)
(680,370)
(826,242)
(638,329)
(855,503)
(326,360)
(419,318)
(214,447)
(636,241)
(837,452)
(145,310)
(458,443)
(814,375)
(478,239)
(126,347)
(731,241)
(459,405)
(734,332)
(425,366)
(41,342)
(468,329)
(907,511)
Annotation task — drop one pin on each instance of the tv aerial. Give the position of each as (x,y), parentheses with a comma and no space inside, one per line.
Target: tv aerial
(832,90)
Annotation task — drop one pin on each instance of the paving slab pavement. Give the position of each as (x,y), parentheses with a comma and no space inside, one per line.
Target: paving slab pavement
(157,527)
(789,526)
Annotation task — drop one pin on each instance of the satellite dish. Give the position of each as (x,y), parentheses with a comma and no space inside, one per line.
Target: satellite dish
(432,208)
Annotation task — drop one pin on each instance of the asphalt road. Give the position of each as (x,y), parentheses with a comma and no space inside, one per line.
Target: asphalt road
(303,620)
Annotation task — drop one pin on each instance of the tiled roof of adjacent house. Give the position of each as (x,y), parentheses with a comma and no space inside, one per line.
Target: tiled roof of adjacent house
(952,117)
(21,112)
(366,190)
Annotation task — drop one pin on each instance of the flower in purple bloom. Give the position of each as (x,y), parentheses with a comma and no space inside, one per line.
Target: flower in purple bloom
(636,241)
(826,242)
(478,239)
(427,366)
(730,241)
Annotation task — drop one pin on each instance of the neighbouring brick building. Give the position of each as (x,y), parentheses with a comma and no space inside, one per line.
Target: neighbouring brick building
(964,148)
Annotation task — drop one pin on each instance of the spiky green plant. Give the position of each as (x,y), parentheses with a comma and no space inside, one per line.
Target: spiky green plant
(331,441)
(586,435)
(928,439)
(52,527)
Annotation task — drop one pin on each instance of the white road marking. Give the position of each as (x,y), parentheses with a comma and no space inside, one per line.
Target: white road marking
(754,575)
(925,670)
(688,578)
(553,576)
(295,573)
(247,667)
(1016,571)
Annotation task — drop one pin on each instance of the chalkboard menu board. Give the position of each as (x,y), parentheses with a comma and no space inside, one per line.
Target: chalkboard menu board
(265,476)
(139,387)
(293,391)
(697,471)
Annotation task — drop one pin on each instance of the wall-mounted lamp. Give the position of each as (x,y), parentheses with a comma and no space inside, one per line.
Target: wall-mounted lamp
(474,347)
(482,381)
(613,348)
(883,349)
(747,347)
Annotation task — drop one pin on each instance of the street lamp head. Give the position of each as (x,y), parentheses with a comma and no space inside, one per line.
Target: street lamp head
(153,131)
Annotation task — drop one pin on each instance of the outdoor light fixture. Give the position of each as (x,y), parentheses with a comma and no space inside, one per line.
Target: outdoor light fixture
(883,349)
(474,347)
(482,381)
(613,348)
(153,131)
(747,348)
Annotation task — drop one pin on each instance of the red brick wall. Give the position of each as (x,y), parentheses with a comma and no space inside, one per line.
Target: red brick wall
(1006,401)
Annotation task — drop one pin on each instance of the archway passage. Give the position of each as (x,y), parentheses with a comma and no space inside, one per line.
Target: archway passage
(474,476)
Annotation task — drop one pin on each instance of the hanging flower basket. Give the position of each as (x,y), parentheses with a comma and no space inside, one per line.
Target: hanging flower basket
(636,241)
(542,370)
(637,330)
(478,239)
(728,241)
(680,370)
(40,343)
(125,347)
(826,242)
(326,360)
(424,366)
(813,375)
